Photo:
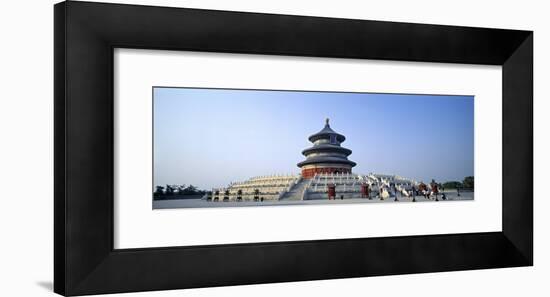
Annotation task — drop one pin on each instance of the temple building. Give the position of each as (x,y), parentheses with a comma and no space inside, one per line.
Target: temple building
(326,173)
(326,155)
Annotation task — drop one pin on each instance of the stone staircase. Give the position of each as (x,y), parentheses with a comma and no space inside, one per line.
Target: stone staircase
(296,191)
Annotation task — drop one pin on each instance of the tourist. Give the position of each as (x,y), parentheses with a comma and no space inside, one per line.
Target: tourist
(368,191)
(435,191)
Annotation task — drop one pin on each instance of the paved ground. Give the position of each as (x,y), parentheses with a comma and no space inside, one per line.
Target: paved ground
(194,203)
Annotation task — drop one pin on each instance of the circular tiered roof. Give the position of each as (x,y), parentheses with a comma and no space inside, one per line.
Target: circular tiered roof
(325,134)
(326,149)
(326,160)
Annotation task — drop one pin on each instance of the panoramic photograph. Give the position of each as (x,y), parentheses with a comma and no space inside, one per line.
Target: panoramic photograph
(240,147)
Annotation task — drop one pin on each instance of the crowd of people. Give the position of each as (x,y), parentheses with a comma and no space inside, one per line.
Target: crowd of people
(433,190)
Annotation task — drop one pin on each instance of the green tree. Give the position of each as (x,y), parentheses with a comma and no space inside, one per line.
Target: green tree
(468,182)
(190,190)
(452,184)
(169,190)
(159,191)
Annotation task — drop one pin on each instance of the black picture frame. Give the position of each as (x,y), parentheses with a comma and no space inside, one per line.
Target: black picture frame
(84,258)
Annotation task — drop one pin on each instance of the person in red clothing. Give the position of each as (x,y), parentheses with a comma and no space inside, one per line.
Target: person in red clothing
(365,190)
(331,191)
(435,190)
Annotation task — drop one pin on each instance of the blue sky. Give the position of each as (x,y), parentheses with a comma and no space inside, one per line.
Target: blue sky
(210,137)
